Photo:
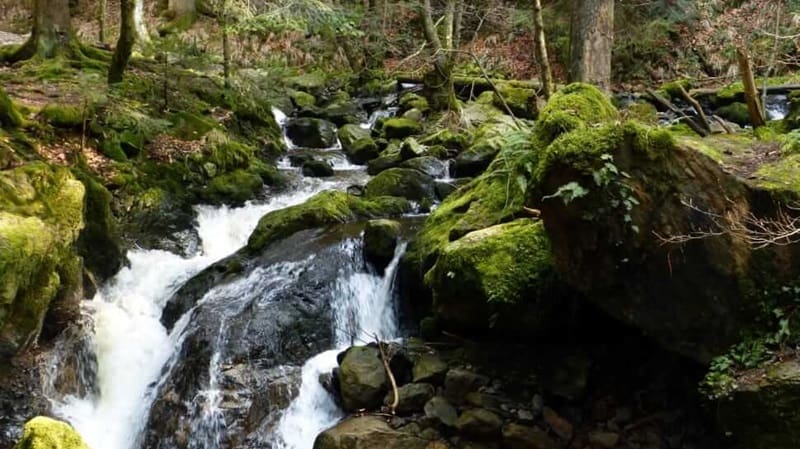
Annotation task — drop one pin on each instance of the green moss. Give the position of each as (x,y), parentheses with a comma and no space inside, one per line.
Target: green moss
(112,149)
(62,116)
(235,187)
(643,112)
(449,139)
(402,182)
(522,102)
(672,89)
(790,142)
(400,128)
(188,126)
(312,83)
(9,114)
(574,107)
(781,177)
(792,120)
(736,113)
(99,242)
(735,91)
(411,100)
(323,209)
(47,433)
(302,99)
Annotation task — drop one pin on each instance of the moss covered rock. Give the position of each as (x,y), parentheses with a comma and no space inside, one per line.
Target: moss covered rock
(41,216)
(99,242)
(62,116)
(736,113)
(235,187)
(189,126)
(793,117)
(311,133)
(369,432)
(522,102)
(402,182)
(488,140)
(380,241)
(400,128)
(575,106)
(388,158)
(323,209)
(362,378)
(47,433)
(9,114)
(316,168)
(504,264)
(411,100)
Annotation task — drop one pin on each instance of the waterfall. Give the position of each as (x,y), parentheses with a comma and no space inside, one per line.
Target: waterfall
(363,308)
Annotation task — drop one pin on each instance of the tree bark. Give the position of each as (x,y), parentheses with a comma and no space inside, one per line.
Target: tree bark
(142,35)
(754,109)
(51,34)
(438,82)
(591,41)
(127,38)
(101,20)
(540,51)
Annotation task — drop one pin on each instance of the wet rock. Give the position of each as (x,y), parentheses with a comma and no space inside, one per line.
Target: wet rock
(363,150)
(362,379)
(410,149)
(302,100)
(412,397)
(318,169)
(516,436)
(559,425)
(479,423)
(400,128)
(429,368)
(402,182)
(380,240)
(389,158)
(458,383)
(349,134)
(604,440)
(441,411)
(343,113)
(413,114)
(311,132)
(411,100)
(367,432)
(427,164)
(474,161)
(47,433)
(522,102)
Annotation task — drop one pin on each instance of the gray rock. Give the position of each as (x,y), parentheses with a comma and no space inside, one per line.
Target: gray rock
(410,149)
(459,383)
(479,423)
(441,411)
(362,378)
(429,368)
(311,132)
(380,240)
(367,432)
(317,169)
(427,164)
(412,397)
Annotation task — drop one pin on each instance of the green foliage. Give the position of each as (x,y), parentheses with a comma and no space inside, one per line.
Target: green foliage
(308,16)
(63,116)
(47,433)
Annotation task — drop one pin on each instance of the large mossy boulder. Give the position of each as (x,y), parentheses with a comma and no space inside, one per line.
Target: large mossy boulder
(369,432)
(350,134)
(41,217)
(235,187)
(402,182)
(509,263)
(388,158)
(400,128)
(99,243)
(362,378)
(521,102)
(576,106)
(759,409)
(47,433)
(618,201)
(10,116)
(488,140)
(380,241)
(309,132)
(323,209)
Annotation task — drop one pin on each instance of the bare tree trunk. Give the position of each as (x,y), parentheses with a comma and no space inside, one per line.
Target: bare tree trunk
(101,20)
(52,31)
(439,81)
(540,50)
(591,41)
(142,35)
(127,38)
(754,108)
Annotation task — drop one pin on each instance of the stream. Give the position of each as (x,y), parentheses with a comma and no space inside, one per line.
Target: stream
(239,340)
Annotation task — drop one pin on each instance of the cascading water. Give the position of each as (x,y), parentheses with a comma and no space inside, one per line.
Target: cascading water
(363,309)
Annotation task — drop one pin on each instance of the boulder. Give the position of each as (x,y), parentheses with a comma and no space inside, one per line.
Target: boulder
(412,397)
(47,433)
(400,128)
(357,144)
(368,432)
(576,106)
(509,263)
(302,100)
(458,383)
(316,168)
(441,411)
(475,160)
(516,436)
(309,132)
(41,217)
(449,139)
(479,423)
(411,100)
(522,102)
(413,114)
(380,240)
(311,83)
(349,134)
(389,158)
(793,117)
(343,113)
(431,166)
(429,368)
(410,148)
(362,379)
(736,113)
(402,182)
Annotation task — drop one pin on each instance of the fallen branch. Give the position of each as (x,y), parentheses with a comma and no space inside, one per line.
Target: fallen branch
(668,105)
(701,115)
(389,373)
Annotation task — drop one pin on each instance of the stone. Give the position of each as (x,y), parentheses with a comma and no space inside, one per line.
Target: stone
(475,160)
(412,397)
(604,440)
(516,436)
(441,411)
(317,169)
(522,102)
(400,128)
(380,240)
(413,114)
(479,423)
(349,134)
(429,368)
(411,100)
(309,132)
(367,432)
(302,100)
(410,149)
(362,379)
(458,383)
(431,166)
(402,182)
(47,433)
(559,425)
(363,150)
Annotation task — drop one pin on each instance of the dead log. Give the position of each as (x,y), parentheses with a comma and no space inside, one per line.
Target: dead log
(668,105)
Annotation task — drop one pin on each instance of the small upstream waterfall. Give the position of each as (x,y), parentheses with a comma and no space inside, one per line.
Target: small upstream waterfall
(363,308)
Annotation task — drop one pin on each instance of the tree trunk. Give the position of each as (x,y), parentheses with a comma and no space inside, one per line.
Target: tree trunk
(181,7)
(142,35)
(540,51)
(754,109)
(226,55)
(127,38)
(591,40)
(438,82)
(51,34)
(101,20)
